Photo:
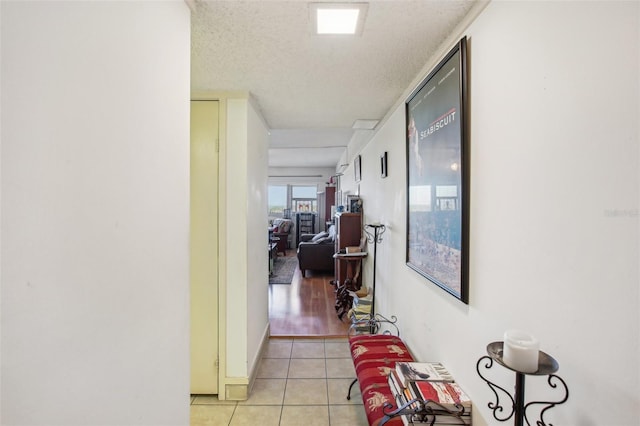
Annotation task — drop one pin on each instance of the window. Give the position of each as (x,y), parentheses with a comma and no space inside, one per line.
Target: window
(277,199)
(304,198)
(305,205)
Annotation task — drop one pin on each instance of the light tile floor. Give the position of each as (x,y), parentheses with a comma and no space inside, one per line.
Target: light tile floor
(299,382)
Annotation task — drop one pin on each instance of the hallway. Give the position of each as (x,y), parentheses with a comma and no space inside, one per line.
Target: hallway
(306,307)
(299,382)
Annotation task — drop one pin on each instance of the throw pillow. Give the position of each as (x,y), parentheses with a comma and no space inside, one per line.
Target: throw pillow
(319,236)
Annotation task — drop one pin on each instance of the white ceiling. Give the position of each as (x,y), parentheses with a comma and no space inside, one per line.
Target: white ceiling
(309,88)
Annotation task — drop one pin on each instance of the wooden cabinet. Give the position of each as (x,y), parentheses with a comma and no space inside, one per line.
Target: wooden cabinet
(348,233)
(347,266)
(329,201)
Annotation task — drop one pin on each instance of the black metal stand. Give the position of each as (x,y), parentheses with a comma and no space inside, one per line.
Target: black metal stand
(546,366)
(426,412)
(375,238)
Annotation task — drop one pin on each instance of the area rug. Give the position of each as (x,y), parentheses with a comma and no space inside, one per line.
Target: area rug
(283,270)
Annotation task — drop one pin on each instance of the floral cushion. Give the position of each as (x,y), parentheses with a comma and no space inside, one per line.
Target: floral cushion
(374,356)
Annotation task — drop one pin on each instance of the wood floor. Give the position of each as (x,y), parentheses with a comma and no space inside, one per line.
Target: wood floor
(304,308)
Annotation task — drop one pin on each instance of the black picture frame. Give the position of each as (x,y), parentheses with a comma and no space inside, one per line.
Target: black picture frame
(357,168)
(437,148)
(383,165)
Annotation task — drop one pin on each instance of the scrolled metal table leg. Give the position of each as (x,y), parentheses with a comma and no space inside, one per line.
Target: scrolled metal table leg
(350,386)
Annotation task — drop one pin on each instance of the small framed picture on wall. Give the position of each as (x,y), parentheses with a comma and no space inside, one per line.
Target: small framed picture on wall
(354,204)
(383,165)
(357,167)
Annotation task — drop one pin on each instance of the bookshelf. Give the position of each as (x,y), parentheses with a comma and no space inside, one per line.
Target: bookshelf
(305,224)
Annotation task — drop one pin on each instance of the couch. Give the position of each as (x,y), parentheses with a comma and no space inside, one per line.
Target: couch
(315,251)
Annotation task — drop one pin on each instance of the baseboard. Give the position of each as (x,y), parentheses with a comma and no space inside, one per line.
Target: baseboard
(237,391)
(239,388)
(256,361)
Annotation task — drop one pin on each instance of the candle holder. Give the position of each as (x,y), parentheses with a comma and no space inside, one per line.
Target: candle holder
(547,366)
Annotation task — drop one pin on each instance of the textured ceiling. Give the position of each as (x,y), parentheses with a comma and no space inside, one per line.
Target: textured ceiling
(310,88)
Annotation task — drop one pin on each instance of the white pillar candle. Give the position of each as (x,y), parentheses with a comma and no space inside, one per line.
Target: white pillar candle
(520,351)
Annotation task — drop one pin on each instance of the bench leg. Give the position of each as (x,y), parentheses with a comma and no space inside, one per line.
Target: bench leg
(350,386)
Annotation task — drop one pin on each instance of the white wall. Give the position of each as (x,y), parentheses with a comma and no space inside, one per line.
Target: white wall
(95,213)
(257,272)
(247,261)
(554,95)
(237,207)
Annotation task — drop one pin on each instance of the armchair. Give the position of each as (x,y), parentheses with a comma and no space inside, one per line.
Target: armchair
(280,229)
(315,251)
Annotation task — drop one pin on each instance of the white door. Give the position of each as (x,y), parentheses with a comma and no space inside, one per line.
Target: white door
(204,247)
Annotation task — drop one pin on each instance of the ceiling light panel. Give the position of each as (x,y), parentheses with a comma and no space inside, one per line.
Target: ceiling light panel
(337,18)
(337,21)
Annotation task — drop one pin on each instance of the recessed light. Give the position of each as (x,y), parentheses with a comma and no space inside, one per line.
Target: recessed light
(337,18)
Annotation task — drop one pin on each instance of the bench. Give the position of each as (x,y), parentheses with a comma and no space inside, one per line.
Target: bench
(374,356)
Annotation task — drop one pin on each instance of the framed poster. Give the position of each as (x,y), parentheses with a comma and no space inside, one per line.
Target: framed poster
(437,176)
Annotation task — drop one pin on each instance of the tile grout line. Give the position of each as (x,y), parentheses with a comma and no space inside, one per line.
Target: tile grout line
(232,414)
(326,382)
(286,383)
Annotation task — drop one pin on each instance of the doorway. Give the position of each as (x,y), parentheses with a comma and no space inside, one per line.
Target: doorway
(204,247)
